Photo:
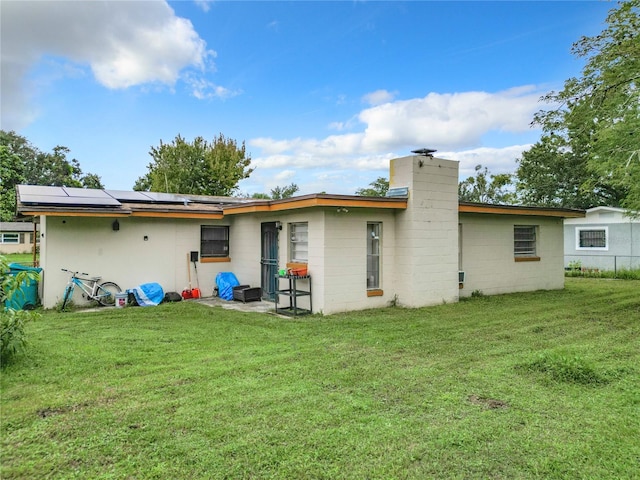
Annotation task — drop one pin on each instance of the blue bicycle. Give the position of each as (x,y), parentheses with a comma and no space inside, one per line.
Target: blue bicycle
(103,293)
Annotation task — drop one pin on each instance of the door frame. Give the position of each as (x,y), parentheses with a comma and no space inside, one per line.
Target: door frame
(269,261)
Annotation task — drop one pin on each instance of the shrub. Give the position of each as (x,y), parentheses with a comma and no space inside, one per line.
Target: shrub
(12,335)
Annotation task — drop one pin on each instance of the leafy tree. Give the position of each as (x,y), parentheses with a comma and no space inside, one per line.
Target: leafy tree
(22,163)
(284,192)
(198,167)
(91,180)
(377,188)
(487,188)
(11,174)
(54,169)
(593,134)
(278,193)
(261,196)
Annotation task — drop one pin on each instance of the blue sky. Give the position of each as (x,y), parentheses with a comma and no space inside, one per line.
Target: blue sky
(322,93)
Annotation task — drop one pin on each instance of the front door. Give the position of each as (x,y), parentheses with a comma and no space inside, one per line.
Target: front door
(269,259)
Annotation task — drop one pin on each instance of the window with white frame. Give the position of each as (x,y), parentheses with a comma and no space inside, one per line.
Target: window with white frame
(524,241)
(10,238)
(299,242)
(374,231)
(214,241)
(592,238)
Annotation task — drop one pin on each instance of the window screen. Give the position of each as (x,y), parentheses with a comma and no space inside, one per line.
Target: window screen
(592,238)
(373,255)
(299,245)
(214,241)
(524,240)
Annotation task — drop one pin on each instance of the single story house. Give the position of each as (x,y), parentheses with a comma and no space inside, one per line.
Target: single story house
(418,246)
(17,237)
(606,238)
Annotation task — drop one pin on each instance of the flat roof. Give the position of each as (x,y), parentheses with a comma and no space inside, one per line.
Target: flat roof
(468,207)
(35,200)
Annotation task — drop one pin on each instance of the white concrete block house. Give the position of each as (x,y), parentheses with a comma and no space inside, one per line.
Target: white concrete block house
(361,252)
(607,238)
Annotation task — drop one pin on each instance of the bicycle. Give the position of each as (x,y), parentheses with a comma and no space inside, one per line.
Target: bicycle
(103,293)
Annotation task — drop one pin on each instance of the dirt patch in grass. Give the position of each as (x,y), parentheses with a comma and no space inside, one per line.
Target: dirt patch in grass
(53,411)
(488,403)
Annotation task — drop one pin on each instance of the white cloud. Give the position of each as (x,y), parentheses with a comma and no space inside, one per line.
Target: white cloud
(497,160)
(379,97)
(205,5)
(344,175)
(203,89)
(453,122)
(284,176)
(123,43)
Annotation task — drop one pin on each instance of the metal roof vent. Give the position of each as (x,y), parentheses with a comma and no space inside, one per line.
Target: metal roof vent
(425,152)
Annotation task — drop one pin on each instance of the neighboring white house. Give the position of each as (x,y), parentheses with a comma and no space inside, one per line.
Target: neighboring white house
(17,237)
(361,252)
(605,239)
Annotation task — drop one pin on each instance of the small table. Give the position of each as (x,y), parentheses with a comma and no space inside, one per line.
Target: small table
(293,292)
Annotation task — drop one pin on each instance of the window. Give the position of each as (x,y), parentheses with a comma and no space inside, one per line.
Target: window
(214,241)
(592,238)
(524,241)
(299,245)
(373,255)
(10,238)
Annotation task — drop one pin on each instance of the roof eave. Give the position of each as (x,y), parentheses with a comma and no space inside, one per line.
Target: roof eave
(468,207)
(316,200)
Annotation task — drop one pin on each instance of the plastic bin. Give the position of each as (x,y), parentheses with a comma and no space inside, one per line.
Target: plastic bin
(26,296)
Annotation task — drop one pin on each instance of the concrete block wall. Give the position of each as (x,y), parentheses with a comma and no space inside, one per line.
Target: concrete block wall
(426,253)
(345,259)
(488,260)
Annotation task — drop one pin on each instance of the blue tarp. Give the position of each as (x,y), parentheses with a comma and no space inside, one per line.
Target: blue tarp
(148,294)
(225,282)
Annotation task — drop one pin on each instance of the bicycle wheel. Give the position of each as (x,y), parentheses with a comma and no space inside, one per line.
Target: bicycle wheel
(68,293)
(106,293)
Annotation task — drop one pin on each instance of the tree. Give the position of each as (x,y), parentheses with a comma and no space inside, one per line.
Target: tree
(594,133)
(487,188)
(11,174)
(22,163)
(284,192)
(377,188)
(198,167)
(261,196)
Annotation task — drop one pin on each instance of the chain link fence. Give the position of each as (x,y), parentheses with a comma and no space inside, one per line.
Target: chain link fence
(611,263)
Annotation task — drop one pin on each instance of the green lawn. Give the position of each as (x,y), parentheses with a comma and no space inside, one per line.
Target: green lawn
(22,258)
(540,385)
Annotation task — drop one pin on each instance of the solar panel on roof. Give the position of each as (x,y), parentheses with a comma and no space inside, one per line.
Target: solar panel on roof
(41,190)
(166,197)
(124,195)
(64,200)
(85,192)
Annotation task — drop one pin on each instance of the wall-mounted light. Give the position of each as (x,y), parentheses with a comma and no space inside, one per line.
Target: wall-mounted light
(279,225)
(115,226)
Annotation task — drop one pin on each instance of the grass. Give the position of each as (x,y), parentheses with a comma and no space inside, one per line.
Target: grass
(621,273)
(537,385)
(22,258)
